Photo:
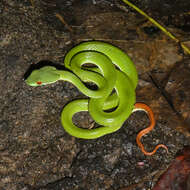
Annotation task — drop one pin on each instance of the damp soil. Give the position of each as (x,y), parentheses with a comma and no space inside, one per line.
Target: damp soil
(35,151)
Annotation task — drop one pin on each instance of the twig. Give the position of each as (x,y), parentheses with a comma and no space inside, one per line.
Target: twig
(32,2)
(92,125)
(64,22)
(158,25)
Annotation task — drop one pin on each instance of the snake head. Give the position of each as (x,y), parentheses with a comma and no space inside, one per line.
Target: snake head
(43,76)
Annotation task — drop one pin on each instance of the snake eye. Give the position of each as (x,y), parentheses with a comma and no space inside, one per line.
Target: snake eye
(39,82)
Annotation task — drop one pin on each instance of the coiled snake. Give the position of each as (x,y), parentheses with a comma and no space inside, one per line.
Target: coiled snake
(115,76)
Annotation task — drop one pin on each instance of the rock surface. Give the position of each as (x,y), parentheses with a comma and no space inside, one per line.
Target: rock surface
(35,151)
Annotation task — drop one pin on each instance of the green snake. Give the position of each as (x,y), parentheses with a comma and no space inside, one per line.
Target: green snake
(115,76)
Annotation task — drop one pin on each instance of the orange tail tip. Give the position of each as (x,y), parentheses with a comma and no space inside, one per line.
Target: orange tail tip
(147,109)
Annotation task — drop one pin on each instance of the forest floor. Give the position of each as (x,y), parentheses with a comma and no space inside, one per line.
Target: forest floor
(35,151)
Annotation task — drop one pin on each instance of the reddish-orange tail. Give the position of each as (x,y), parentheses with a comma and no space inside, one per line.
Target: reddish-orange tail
(147,109)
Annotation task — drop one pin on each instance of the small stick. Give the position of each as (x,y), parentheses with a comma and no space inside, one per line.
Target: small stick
(32,2)
(64,22)
(158,25)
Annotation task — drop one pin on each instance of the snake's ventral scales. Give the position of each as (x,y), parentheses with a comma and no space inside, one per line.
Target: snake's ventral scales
(112,72)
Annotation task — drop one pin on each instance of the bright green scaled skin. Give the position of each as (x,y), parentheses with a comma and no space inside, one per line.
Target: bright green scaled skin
(124,80)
